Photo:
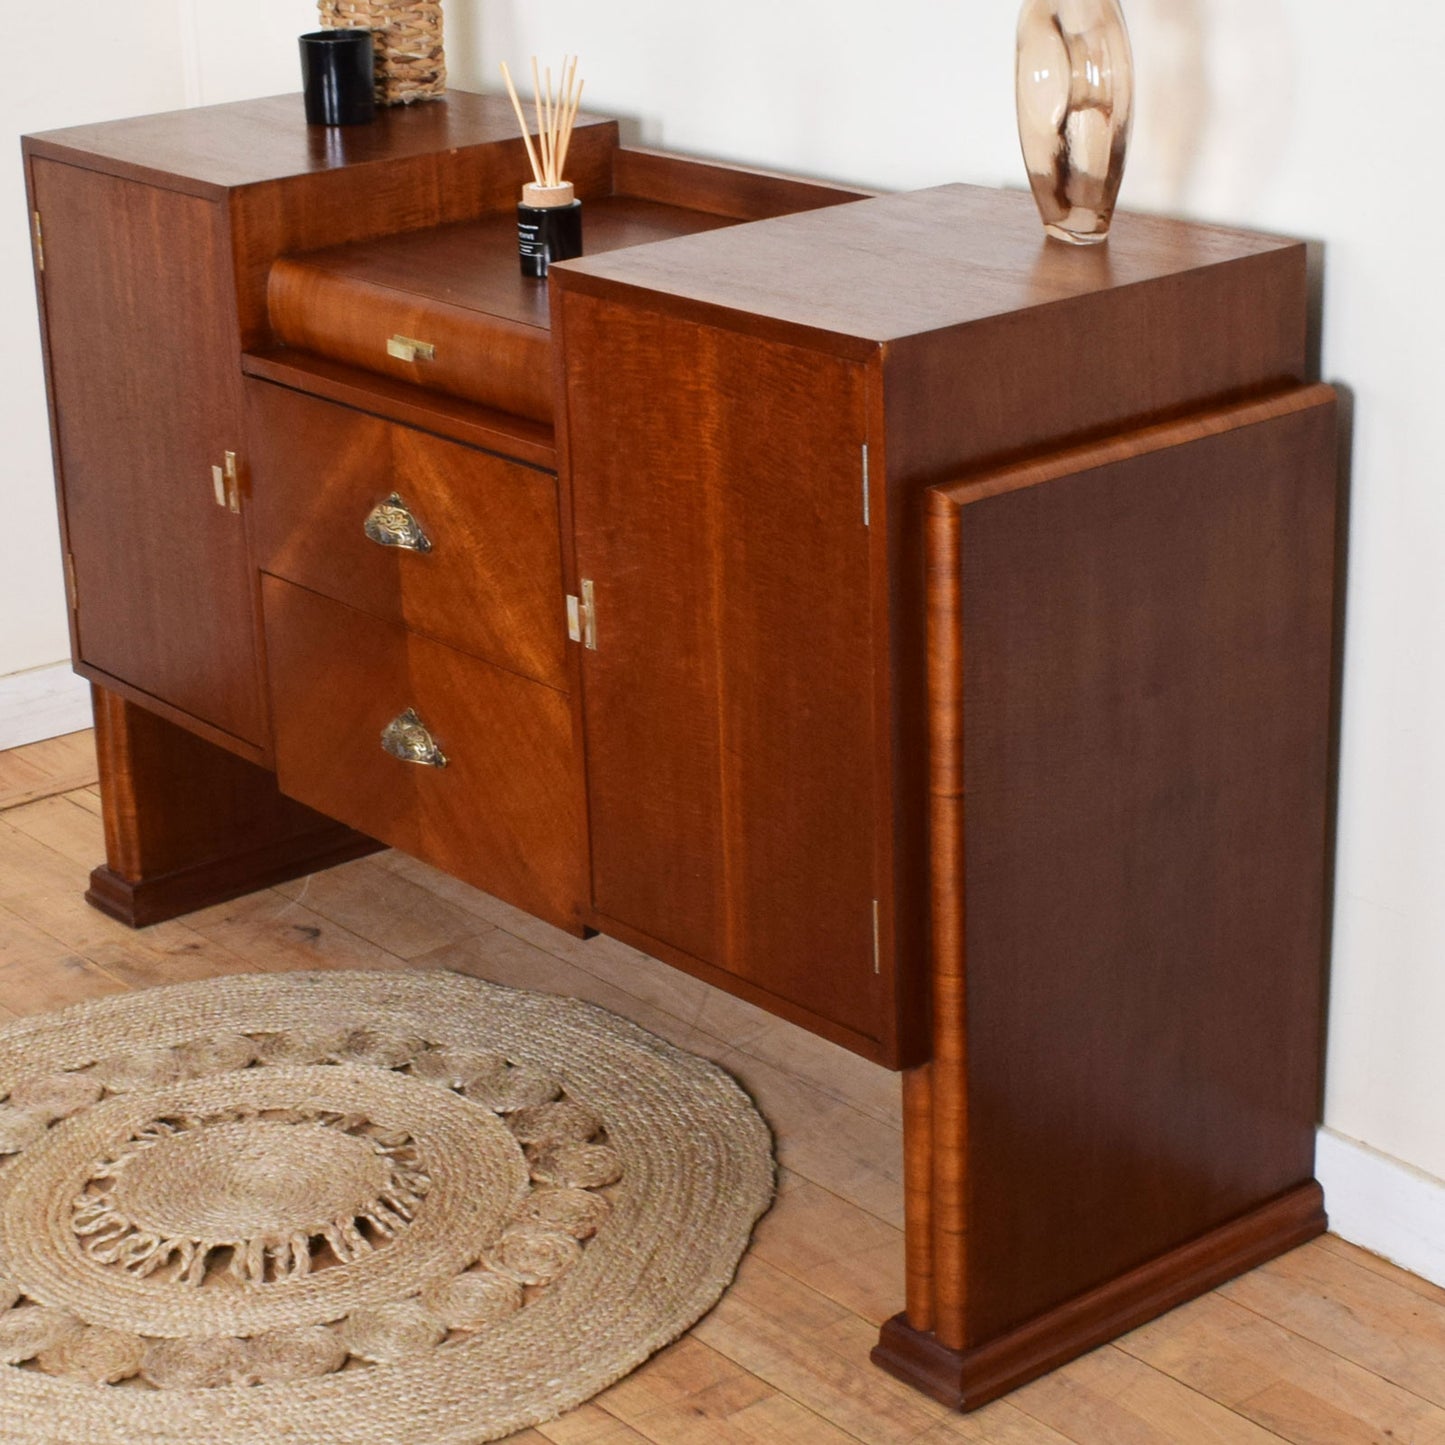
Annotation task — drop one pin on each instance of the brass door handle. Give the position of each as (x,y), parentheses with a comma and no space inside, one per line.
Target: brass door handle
(406,737)
(391,524)
(226,482)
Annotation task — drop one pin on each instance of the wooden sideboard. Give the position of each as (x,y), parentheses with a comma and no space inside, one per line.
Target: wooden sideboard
(919,628)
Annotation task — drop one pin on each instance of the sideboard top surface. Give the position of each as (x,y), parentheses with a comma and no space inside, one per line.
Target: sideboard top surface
(247,142)
(900,265)
(473,264)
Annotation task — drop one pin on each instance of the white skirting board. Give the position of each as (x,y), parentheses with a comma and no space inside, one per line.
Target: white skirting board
(1383,1205)
(44,702)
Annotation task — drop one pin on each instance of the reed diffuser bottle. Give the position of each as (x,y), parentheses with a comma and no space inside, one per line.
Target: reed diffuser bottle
(549,218)
(1075,88)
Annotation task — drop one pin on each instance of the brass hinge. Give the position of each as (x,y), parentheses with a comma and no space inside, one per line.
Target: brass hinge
(39,243)
(70,584)
(877,956)
(582,616)
(866,505)
(408,348)
(226,484)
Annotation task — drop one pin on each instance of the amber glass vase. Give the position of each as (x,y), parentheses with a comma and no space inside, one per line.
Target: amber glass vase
(1075,103)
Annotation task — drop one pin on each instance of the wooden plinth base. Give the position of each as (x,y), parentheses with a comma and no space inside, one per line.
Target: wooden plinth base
(154,900)
(969,1378)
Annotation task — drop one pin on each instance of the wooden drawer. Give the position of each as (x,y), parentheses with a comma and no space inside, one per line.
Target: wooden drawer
(496,360)
(491,582)
(505,813)
(460,290)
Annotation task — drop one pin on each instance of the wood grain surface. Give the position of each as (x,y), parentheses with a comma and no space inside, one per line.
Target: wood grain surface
(293,187)
(505,812)
(1131,754)
(906,265)
(974,1376)
(491,583)
(1019,345)
(462,421)
(920,1148)
(142,366)
(189,824)
(738,192)
(719,511)
(211,149)
(460,289)
(938,1226)
(401,194)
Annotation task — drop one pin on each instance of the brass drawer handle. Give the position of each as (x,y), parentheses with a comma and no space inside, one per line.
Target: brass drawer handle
(391,524)
(408,348)
(406,737)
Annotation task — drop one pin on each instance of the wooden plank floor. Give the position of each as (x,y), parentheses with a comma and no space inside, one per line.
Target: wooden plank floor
(1327,1346)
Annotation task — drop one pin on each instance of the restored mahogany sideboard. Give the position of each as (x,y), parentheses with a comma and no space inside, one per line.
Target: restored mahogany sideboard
(917,627)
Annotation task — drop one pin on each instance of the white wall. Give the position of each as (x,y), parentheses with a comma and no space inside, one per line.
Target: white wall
(1312,117)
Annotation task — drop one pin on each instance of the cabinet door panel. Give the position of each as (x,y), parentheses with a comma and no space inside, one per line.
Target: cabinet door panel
(142,355)
(728,706)
(1131,759)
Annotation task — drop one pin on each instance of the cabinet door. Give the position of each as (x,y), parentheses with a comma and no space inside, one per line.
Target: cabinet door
(728,704)
(145,389)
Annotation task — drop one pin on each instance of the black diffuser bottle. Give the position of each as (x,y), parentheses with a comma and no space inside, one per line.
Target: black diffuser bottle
(549,219)
(549,227)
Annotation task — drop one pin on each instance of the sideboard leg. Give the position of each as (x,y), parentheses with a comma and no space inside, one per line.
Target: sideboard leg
(188,824)
(948,1074)
(968,1378)
(1121,1104)
(918,1195)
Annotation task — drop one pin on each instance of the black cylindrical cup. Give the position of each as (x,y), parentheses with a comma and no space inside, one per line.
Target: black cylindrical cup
(546,234)
(338,74)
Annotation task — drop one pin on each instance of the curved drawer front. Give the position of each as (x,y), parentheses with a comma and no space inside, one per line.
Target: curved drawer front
(494,360)
(445,757)
(454,543)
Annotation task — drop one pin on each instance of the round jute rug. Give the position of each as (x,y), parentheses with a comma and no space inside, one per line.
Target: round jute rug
(351,1209)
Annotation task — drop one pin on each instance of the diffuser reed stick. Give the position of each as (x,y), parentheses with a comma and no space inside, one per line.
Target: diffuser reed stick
(556,113)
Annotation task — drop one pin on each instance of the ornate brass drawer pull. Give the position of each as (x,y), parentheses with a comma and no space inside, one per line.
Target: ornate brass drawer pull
(406,737)
(391,524)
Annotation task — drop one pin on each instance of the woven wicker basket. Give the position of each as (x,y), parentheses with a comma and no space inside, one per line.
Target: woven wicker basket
(410,60)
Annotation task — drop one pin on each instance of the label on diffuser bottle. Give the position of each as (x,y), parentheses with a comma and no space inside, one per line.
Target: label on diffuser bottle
(530,241)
